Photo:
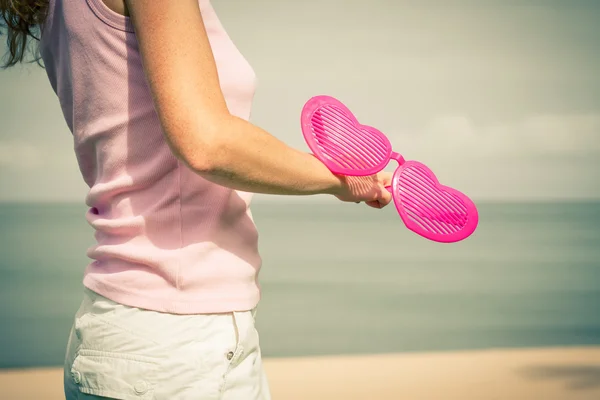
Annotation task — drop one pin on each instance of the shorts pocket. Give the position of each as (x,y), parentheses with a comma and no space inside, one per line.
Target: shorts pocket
(243,367)
(114,375)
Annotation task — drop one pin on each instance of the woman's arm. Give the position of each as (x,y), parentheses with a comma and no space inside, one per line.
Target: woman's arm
(230,151)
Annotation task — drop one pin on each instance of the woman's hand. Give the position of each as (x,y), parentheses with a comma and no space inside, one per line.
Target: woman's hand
(370,189)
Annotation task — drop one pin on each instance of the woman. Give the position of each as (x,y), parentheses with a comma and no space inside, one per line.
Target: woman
(157,98)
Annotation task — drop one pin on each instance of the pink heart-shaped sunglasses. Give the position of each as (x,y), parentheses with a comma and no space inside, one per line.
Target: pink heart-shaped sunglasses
(346,147)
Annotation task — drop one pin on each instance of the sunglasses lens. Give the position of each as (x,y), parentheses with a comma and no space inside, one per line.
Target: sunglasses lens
(348,147)
(430,209)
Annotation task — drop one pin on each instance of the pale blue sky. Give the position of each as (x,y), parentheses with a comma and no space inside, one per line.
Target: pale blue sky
(501,98)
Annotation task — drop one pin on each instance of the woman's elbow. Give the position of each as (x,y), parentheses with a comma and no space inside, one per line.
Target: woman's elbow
(203,152)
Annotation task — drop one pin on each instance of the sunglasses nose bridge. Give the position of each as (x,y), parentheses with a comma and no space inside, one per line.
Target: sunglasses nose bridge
(398,157)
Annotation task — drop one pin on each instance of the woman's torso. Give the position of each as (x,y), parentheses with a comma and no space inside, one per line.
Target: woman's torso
(166,239)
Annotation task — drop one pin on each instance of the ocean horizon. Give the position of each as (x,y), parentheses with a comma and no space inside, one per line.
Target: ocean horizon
(344,279)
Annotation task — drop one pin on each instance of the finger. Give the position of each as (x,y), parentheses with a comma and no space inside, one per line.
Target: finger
(380,202)
(386,198)
(373,203)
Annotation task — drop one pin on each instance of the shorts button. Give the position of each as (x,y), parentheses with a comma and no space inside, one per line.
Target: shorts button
(230,355)
(76,377)
(140,387)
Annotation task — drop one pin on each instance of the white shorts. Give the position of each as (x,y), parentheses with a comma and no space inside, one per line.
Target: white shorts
(122,352)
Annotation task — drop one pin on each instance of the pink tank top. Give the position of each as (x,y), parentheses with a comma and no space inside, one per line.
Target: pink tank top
(166,239)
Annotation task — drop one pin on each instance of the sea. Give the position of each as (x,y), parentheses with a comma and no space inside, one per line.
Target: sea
(340,278)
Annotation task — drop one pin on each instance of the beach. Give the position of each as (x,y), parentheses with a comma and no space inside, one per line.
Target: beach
(497,374)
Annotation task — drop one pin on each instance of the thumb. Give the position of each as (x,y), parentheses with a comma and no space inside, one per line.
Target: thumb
(386,179)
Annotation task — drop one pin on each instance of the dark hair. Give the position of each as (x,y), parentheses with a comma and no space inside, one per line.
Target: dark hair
(22,20)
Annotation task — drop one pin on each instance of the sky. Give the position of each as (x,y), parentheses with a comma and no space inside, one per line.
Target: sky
(500,98)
